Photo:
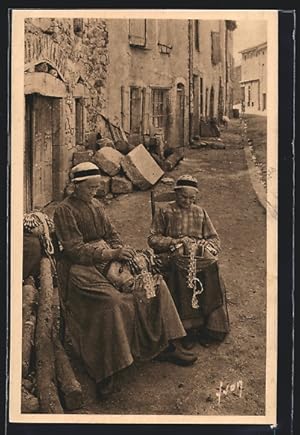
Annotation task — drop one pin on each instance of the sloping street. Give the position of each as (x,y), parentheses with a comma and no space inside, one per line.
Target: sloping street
(238,363)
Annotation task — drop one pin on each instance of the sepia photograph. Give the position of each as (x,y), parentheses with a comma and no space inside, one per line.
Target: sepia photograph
(144,216)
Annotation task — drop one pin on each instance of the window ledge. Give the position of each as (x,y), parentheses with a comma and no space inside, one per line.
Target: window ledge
(137,45)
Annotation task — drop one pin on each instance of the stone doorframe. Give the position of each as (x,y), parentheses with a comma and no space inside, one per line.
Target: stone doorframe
(47,85)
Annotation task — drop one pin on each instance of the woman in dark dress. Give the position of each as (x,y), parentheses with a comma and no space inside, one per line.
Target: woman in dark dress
(109,328)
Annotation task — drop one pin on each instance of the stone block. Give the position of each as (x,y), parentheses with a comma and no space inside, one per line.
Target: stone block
(81,156)
(105,142)
(108,160)
(123,147)
(141,168)
(173,159)
(121,185)
(134,139)
(104,187)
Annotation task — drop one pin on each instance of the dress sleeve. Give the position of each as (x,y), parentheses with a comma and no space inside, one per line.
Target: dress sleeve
(157,238)
(112,237)
(209,233)
(71,238)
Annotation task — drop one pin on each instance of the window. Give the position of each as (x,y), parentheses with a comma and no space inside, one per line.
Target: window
(159,107)
(249,95)
(79,125)
(197,35)
(215,48)
(135,109)
(78,26)
(137,33)
(163,37)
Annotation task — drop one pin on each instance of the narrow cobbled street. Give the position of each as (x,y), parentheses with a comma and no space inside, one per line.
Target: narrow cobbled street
(159,387)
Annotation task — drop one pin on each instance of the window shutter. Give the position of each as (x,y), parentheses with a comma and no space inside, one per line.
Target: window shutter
(147,122)
(163,37)
(215,48)
(137,32)
(125,109)
(135,110)
(197,34)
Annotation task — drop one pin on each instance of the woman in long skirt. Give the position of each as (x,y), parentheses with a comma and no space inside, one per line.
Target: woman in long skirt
(185,238)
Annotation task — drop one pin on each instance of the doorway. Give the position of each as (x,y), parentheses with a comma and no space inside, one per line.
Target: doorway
(211,102)
(264,101)
(179,124)
(40,174)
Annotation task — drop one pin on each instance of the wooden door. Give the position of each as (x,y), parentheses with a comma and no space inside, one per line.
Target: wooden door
(42,143)
(180,98)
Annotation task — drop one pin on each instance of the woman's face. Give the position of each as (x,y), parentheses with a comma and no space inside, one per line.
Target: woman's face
(185,197)
(87,189)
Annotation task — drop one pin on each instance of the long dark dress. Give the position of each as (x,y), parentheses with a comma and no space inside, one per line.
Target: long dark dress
(109,329)
(170,223)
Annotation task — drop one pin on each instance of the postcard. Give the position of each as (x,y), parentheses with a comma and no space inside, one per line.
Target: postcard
(143,216)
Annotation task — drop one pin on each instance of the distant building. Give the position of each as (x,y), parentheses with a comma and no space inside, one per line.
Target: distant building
(254,78)
(236,83)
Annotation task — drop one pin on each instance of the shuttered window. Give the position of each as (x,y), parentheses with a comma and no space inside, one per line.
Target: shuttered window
(135,110)
(164,37)
(78,26)
(137,33)
(215,48)
(197,35)
(159,107)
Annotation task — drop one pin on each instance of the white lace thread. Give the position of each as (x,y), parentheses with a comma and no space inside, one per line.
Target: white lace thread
(192,279)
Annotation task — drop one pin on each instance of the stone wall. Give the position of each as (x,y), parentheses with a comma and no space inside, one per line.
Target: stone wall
(75,53)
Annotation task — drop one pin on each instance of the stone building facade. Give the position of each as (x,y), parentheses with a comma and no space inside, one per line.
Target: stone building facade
(66,64)
(166,74)
(147,76)
(254,78)
(237,91)
(212,66)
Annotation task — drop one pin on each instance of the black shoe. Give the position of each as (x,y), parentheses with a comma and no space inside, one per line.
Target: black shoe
(188,342)
(105,388)
(177,357)
(206,340)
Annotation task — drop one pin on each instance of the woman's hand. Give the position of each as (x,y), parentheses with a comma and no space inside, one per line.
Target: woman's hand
(125,253)
(187,240)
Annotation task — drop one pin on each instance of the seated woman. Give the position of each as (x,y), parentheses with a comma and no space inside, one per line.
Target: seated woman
(109,328)
(183,234)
